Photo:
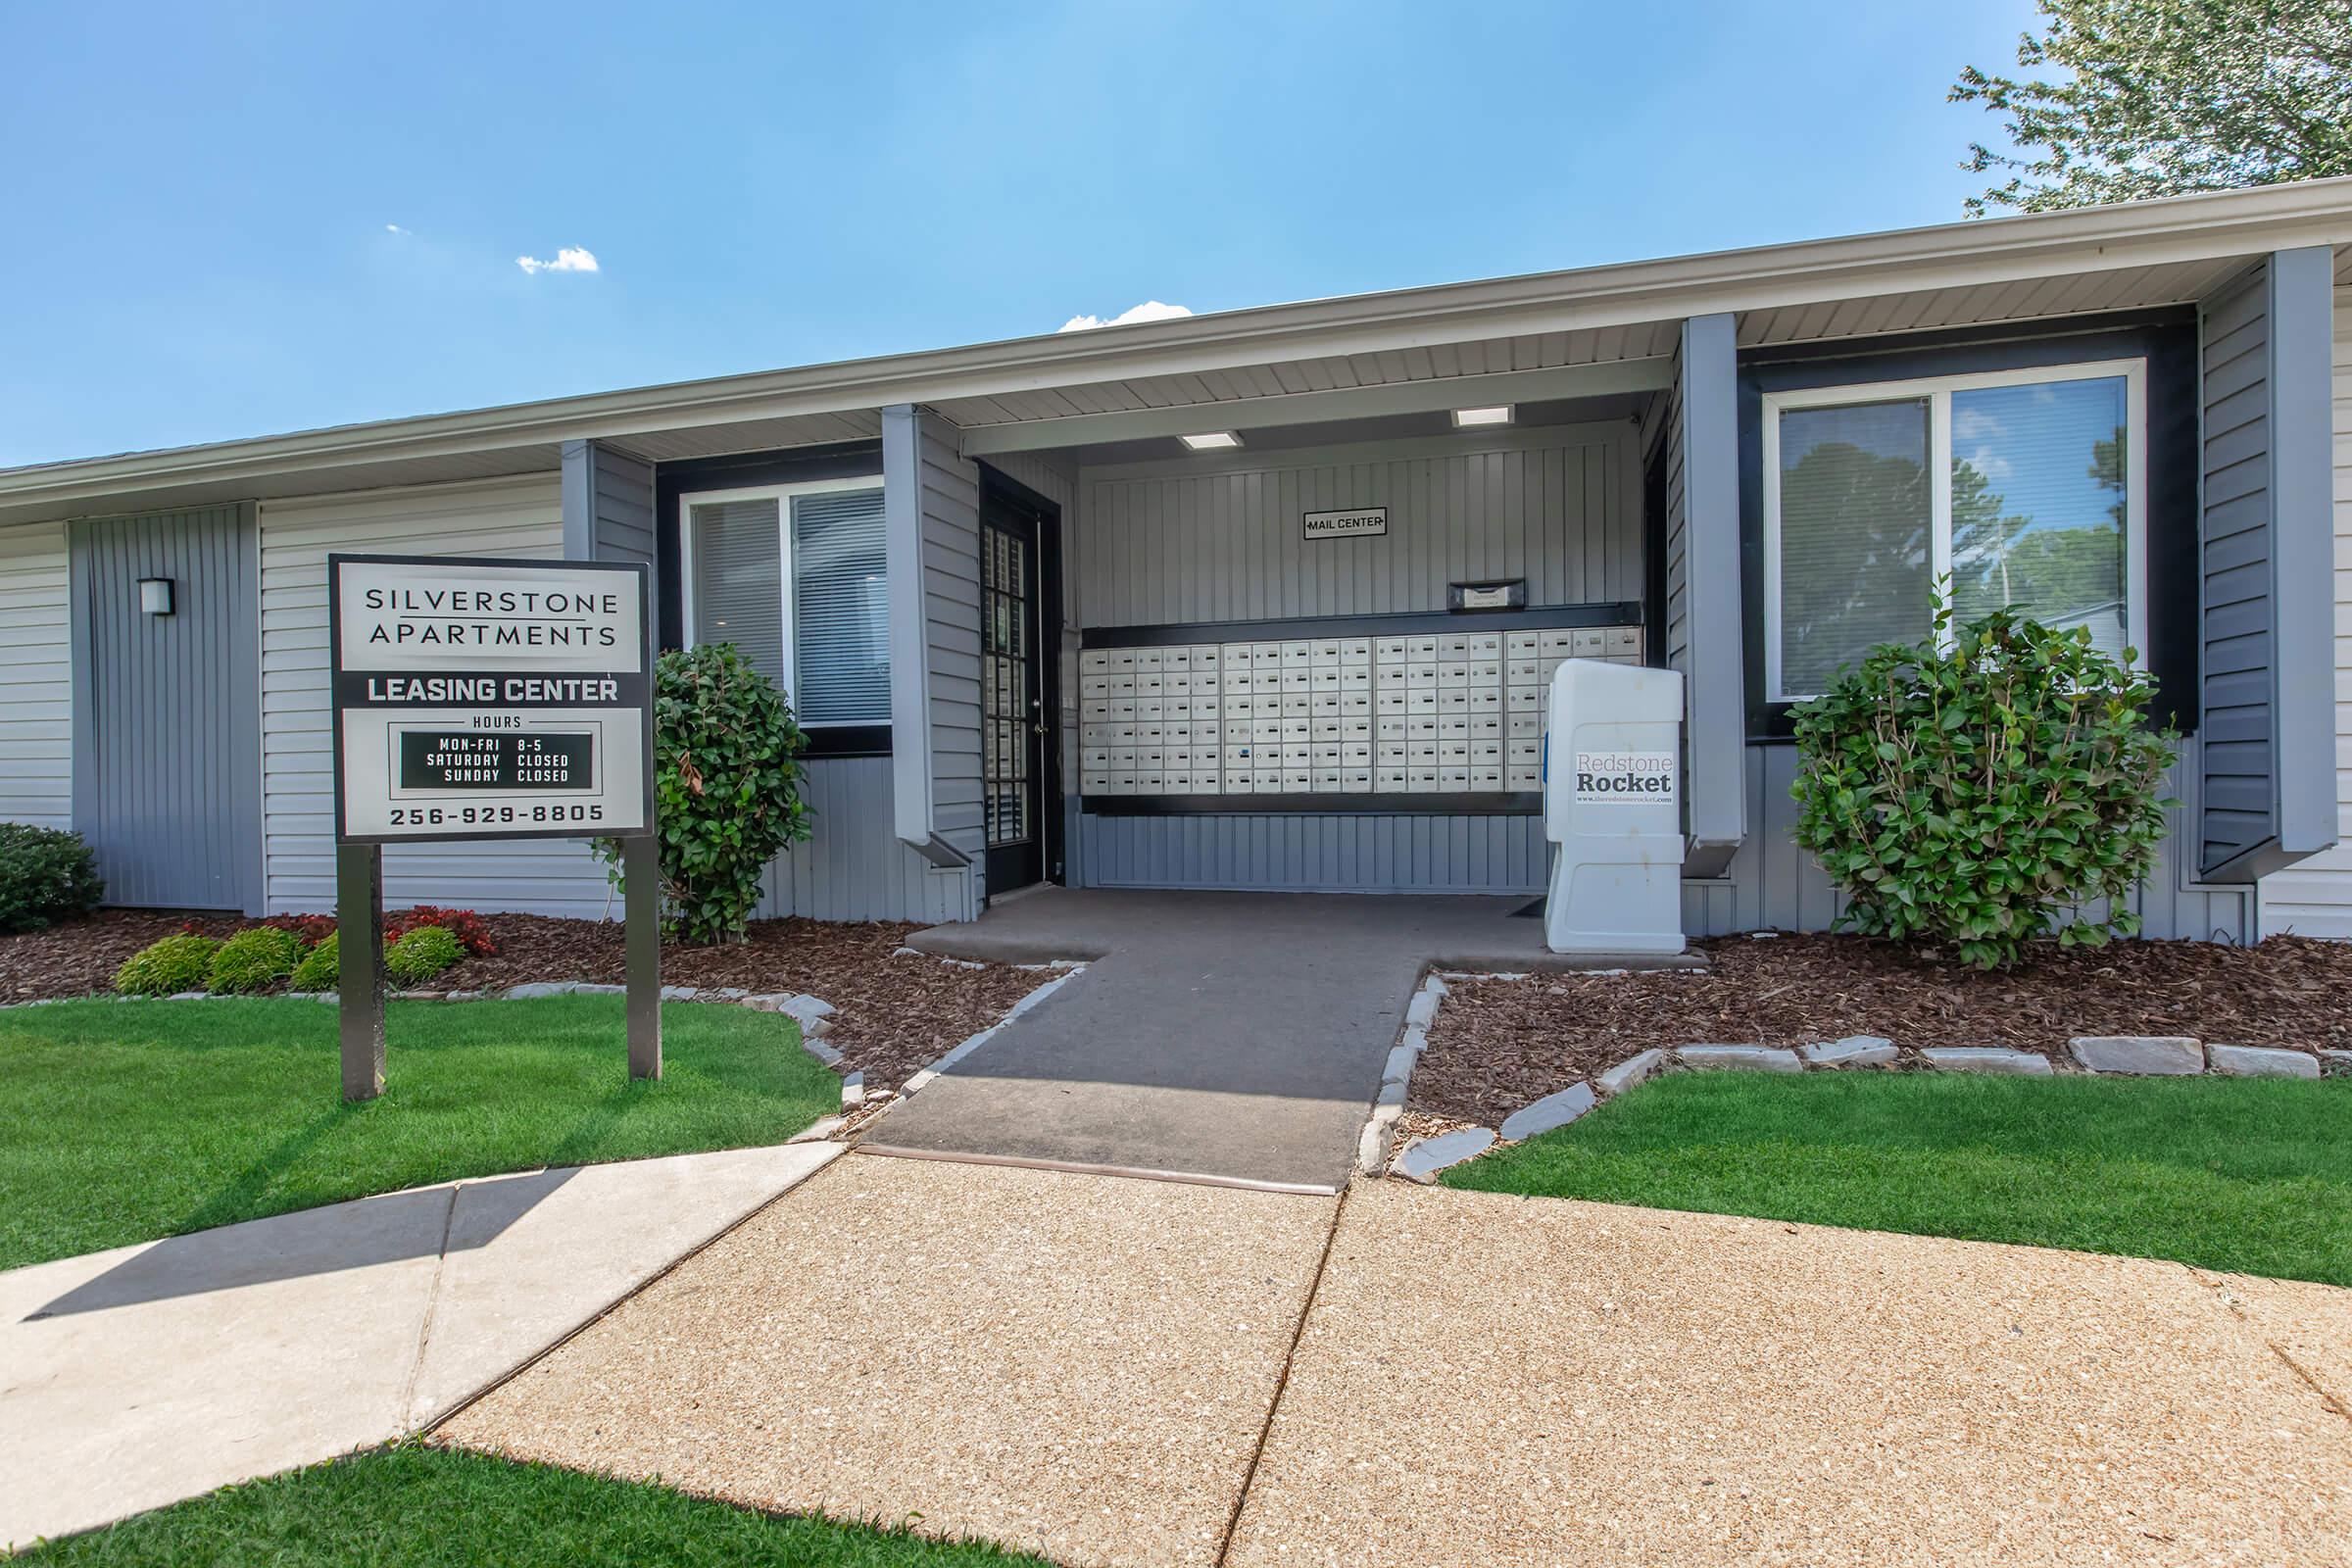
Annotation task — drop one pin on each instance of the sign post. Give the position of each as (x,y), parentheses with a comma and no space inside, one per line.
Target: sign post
(488,699)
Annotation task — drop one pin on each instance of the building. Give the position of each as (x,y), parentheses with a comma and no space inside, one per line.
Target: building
(1210,603)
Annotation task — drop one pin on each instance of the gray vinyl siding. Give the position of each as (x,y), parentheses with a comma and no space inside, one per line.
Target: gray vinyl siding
(853,867)
(951,524)
(2236,732)
(607,500)
(2265,764)
(2314,897)
(166,728)
(1196,541)
(1674,534)
(931,512)
(36,680)
(1298,851)
(1220,540)
(1771,883)
(514,517)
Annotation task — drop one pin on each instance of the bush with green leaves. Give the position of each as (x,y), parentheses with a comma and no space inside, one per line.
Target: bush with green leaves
(1983,787)
(727,789)
(421,953)
(320,969)
(177,963)
(253,960)
(46,875)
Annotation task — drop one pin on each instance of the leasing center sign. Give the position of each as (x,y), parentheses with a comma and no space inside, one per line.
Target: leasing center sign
(489,699)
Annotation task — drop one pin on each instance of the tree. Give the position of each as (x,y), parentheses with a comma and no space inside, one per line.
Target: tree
(2166,96)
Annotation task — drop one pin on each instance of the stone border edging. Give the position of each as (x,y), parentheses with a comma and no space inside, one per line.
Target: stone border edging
(1372,1145)
(2087,1055)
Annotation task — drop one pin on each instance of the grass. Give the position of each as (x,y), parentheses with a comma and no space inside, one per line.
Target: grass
(2250,1176)
(419,1507)
(122,1121)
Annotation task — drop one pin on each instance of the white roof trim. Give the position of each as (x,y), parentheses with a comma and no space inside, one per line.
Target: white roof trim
(2150,233)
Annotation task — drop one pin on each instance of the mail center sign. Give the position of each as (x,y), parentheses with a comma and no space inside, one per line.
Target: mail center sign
(490,698)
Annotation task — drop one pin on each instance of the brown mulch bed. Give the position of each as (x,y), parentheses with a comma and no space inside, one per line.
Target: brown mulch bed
(79,958)
(1501,1043)
(892,1014)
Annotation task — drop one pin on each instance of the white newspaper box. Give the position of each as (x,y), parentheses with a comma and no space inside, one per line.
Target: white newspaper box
(1612,771)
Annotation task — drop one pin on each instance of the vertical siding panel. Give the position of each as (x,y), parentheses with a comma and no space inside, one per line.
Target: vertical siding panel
(37,683)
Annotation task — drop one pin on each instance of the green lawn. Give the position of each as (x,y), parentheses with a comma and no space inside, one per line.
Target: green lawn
(417,1507)
(2253,1176)
(122,1121)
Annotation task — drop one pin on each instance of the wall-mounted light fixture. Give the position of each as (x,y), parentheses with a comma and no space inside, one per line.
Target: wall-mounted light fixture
(155,596)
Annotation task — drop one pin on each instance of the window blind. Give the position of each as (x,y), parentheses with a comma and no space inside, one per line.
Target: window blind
(739,581)
(1855,566)
(840,608)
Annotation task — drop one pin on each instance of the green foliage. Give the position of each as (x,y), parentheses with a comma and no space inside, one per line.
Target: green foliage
(423,952)
(2158,97)
(163,968)
(254,960)
(320,969)
(727,789)
(1972,793)
(46,875)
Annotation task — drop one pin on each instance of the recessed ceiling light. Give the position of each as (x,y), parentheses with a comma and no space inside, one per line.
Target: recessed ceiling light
(1211,440)
(1464,419)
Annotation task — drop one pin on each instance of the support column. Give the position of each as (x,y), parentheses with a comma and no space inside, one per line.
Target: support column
(641,896)
(360,940)
(1714,667)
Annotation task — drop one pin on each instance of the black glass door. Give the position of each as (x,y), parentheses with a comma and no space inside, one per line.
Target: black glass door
(1013,706)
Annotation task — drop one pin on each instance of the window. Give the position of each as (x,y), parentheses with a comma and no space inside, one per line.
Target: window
(2024,488)
(796,577)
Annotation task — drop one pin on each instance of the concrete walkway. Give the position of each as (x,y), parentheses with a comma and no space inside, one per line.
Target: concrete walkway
(1231,1036)
(136,1377)
(1117,1372)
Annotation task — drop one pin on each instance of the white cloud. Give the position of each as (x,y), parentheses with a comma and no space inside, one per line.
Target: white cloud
(1149,310)
(570,259)
(1968,424)
(394,229)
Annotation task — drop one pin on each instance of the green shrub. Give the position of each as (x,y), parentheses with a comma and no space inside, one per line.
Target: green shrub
(254,960)
(46,875)
(163,968)
(422,953)
(320,969)
(727,789)
(1975,793)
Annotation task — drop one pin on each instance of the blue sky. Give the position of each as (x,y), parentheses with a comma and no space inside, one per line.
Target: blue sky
(231,219)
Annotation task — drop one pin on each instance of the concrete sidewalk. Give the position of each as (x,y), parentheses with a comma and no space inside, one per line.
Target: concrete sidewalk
(1229,1035)
(1086,1366)
(136,1377)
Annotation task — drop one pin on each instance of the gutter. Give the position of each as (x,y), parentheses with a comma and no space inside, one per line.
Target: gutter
(2205,226)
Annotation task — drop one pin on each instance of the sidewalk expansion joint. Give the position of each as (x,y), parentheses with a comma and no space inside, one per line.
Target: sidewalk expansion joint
(1080,1168)
(432,1303)
(1282,1381)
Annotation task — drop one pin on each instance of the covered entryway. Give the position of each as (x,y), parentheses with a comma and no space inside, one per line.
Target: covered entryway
(166,707)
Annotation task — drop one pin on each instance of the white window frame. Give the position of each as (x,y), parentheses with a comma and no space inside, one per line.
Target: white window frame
(1937,390)
(787,628)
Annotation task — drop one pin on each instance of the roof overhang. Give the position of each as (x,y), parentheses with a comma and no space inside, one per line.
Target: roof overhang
(1458,330)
